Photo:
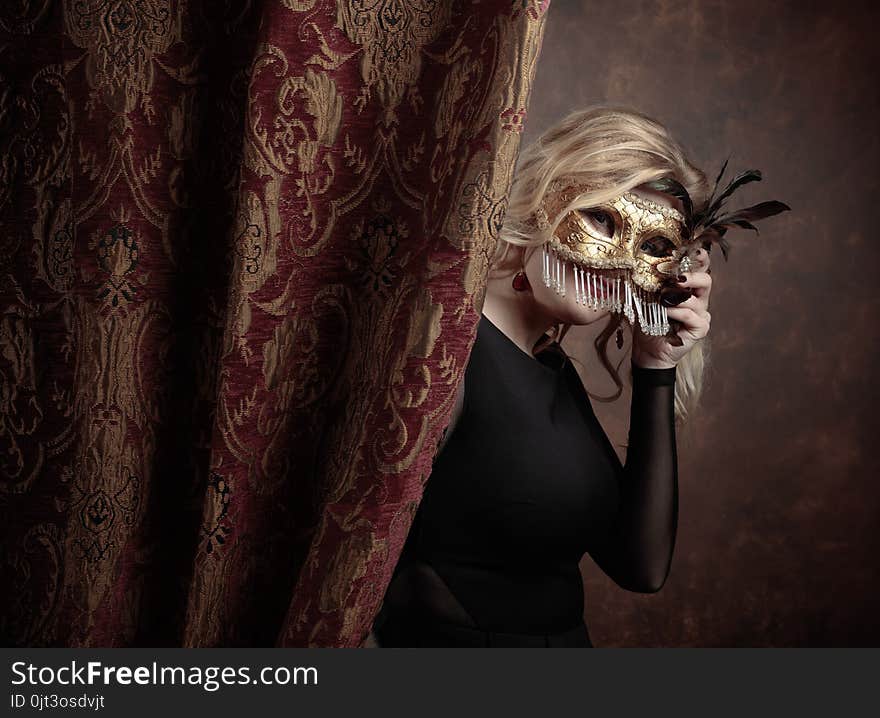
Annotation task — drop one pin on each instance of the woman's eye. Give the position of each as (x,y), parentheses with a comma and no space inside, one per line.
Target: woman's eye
(657,247)
(600,221)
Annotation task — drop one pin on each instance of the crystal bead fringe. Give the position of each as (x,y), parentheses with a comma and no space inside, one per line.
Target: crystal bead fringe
(619,295)
(545,267)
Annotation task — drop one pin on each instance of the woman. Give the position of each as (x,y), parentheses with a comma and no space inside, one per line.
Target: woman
(526,481)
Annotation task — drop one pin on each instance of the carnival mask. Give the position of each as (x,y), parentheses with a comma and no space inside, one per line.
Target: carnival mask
(621,253)
(625,254)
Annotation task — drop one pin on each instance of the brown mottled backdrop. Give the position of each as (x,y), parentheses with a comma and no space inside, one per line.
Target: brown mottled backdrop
(778,539)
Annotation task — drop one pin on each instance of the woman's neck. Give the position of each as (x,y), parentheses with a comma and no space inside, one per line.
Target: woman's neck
(515,314)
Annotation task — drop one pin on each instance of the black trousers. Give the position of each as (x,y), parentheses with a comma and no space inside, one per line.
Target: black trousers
(399,630)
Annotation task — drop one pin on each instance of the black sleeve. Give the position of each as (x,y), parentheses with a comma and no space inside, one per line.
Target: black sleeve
(638,551)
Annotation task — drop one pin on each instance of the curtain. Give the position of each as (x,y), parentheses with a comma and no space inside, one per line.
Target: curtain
(243,252)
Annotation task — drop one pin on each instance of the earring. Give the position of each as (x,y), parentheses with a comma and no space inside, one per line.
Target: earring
(521,281)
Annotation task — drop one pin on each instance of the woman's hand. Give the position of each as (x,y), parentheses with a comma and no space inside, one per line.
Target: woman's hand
(656,352)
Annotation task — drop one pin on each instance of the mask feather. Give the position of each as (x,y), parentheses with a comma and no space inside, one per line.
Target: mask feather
(706,224)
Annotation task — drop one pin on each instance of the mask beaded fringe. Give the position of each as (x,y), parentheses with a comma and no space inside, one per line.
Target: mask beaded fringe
(616,293)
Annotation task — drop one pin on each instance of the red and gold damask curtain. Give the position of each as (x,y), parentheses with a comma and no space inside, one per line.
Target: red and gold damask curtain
(243,249)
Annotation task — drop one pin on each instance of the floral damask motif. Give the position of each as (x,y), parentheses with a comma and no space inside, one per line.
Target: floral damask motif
(276,237)
(481,190)
(514,119)
(481,212)
(39,135)
(296,154)
(296,368)
(298,371)
(215,525)
(105,501)
(117,254)
(293,127)
(392,34)
(34,145)
(290,145)
(98,511)
(20,409)
(107,475)
(54,251)
(122,37)
(298,5)
(22,16)
(378,240)
(494,128)
(345,565)
(32,578)
(255,260)
(471,161)
(395,443)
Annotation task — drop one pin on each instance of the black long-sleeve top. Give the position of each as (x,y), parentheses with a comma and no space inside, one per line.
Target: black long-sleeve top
(526,484)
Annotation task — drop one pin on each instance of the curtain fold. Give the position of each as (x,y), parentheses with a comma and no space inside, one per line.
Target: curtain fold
(243,255)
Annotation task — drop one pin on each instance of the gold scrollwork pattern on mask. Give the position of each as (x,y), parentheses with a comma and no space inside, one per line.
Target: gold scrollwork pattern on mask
(635,219)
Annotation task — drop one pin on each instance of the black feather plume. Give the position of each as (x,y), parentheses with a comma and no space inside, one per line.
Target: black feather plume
(704,223)
(669,186)
(708,226)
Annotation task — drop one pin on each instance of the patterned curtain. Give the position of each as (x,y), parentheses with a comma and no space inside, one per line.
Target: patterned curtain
(243,250)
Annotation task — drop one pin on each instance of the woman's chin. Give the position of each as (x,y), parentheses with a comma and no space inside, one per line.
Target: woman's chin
(581,316)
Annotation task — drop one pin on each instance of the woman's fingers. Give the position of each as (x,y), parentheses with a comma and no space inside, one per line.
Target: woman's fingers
(693,322)
(693,315)
(697,304)
(702,259)
(700,282)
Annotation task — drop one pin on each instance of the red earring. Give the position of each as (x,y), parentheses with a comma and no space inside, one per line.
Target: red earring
(521,282)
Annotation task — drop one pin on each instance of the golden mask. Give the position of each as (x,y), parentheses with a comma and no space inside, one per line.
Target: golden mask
(620,253)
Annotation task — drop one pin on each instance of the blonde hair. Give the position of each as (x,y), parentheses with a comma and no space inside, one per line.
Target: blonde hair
(613,150)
